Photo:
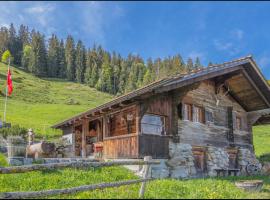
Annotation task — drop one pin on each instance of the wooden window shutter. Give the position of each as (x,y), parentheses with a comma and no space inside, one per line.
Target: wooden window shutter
(231,123)
(179,111)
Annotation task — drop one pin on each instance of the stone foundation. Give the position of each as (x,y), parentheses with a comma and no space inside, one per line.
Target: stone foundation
(216,158)
(181,162)
(245,156)
(180,165)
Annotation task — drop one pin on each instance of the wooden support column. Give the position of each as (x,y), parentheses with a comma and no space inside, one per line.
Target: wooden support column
(85,130)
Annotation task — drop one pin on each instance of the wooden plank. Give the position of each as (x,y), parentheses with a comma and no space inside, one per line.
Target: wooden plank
(81,165)
(27,195)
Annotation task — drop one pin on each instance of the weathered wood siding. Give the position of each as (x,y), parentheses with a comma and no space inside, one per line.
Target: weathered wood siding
(121,147)
(161,105)
(153,145)
(212,133)
(119,124)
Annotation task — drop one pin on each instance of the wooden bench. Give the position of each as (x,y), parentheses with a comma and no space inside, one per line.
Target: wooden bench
(228,172)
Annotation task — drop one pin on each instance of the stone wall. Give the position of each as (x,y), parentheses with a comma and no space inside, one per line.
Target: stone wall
(181,162)
(217,158)
(245,156)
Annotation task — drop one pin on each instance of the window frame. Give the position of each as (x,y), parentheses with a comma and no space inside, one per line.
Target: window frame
(164,120)
(238,126)
(206,118)
(200,114)
(187,116)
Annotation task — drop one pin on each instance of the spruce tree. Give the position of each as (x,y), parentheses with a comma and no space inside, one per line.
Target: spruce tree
(38,61)
(70,58)
(61,73)
(105,80)
(189,65)
(3,40)
(13,44)
(53,56)
(197,64)
(80,62)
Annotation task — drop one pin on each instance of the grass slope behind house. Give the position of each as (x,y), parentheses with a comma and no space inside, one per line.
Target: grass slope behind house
(39,103)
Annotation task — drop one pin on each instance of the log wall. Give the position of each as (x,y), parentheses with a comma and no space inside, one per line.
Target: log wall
(213,133)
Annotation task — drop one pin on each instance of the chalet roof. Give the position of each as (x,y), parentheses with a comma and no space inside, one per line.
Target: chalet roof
(245,63)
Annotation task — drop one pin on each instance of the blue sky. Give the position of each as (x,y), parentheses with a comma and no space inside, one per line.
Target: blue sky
(213,31)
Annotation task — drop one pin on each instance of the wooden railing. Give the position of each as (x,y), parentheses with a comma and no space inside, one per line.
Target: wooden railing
(82,165)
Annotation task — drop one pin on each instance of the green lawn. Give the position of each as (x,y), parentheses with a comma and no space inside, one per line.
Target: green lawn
(168,188)
(39,103)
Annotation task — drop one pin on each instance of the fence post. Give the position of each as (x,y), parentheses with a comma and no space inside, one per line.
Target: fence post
(146,169)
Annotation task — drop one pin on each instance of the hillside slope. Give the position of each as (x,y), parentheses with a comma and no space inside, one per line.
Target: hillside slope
(39,103)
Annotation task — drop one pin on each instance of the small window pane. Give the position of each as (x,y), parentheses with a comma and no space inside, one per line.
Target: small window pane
(209,116)
(187,112)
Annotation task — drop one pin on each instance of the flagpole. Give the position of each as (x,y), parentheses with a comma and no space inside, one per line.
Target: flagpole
(6,95)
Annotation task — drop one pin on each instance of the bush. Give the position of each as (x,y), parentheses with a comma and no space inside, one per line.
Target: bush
(265,158)
(15,130)
(3,161)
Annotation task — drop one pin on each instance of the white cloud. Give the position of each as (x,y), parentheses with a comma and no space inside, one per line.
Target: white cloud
(42,13)
(97,17)
(231,43)
(40,9)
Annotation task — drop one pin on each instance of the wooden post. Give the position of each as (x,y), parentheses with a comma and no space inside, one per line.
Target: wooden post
(85,130)
(146,169)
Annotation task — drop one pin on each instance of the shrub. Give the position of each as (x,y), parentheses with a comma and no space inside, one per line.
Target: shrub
(3,161)
(265,157)
(15,130)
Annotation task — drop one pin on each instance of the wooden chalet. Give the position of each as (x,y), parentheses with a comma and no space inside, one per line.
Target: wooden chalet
(215,106)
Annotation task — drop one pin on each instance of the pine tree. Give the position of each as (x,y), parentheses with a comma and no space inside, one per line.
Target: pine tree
(53,56)
(70,58)
(105,81)
(13,44)
(178,65)
(141,72)
(61,73)
(23,40)
(123,77)
(80,62)
(24,35)
(189,65)
(197,64)
(132,78)
(149,73)
(3,40)
(38,61)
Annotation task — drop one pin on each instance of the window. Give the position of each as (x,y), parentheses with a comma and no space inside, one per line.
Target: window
(198,114)
(153,124)
(238,123)
(188,112)
(209,116)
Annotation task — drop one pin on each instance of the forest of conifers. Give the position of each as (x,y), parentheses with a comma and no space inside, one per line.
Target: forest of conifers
(71,60)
